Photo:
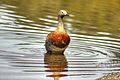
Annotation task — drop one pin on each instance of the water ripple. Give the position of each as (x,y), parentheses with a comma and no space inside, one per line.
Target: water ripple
(23,56)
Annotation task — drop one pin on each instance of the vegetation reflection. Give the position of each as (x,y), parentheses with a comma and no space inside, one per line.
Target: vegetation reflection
(93,15)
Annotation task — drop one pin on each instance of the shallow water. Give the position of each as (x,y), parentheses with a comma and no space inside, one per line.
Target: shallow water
(94,49)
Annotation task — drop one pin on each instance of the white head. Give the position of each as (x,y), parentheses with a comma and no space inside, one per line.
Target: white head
(62,13)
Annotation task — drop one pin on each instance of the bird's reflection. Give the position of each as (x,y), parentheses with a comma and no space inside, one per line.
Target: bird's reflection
(55,64)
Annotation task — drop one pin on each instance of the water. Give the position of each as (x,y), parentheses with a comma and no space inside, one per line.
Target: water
(94,49)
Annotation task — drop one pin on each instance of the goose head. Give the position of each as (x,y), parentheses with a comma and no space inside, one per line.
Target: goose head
(62,13)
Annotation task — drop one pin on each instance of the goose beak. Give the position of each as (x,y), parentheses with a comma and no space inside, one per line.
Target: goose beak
(67,15)
(70,15)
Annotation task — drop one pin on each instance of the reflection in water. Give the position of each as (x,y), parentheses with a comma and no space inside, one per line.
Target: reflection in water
(55,64)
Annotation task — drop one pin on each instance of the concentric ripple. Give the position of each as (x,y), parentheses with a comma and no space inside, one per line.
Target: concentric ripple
(23,56)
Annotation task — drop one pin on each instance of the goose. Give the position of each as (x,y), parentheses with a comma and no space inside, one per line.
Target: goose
(58,40)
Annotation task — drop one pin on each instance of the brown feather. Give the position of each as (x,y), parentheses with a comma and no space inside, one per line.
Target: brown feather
(59,39)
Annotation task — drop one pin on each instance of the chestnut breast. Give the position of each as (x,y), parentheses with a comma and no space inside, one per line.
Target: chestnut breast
(59,39)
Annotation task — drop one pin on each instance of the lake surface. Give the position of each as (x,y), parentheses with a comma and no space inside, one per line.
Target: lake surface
(94,50)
